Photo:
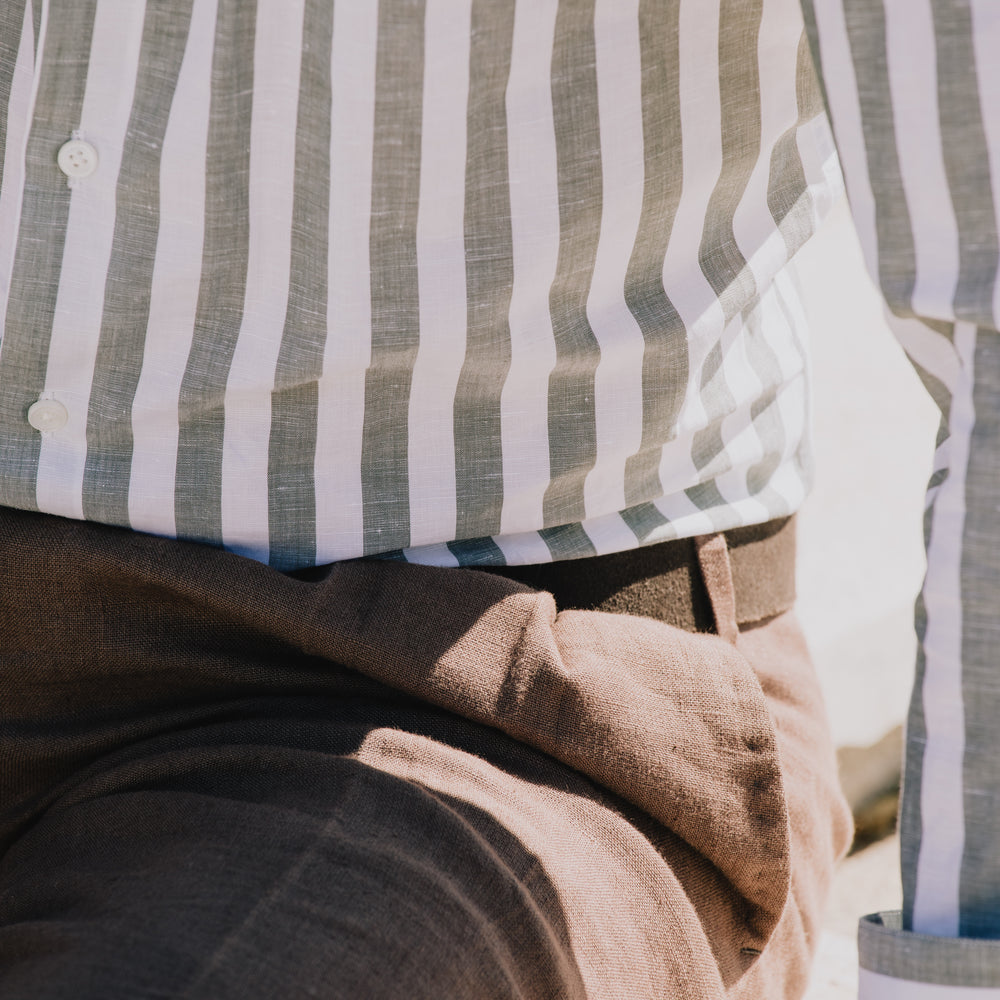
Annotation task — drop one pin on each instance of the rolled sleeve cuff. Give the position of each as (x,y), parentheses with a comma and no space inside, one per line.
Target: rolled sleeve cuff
(896,964)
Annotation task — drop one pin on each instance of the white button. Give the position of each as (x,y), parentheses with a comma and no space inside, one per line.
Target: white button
(77,158)
(47,415)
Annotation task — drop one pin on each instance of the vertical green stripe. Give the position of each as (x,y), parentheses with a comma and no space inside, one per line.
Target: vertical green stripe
(979,885)
(786,183)
(739,96)
(572,419)
(295,401)
(198,499)
(708,447)
(910,818)
(36,21)
(910,822)
(38,257)
(812,40)
(393,253)
(764,412)
(568,541)
(130,270)
(808,95)
(477,552)
(706,496)
(643,519)
(896,258)
(11,26)
(722,262)
(489,272)
(665,359)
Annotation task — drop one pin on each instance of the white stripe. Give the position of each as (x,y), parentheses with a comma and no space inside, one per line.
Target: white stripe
(683,280)
(792,400)
(20,106)
(788,331)
(534,203)
(986,44)
(618,378)
(936,893)
(790,479)
(431,555)
(339,527)
(701,148)
(845,111)
(911,57)
(525,549)
(786,324)
(741,443)
(76,327)
(873,986)
(175,285)
(277,65)
(440,271)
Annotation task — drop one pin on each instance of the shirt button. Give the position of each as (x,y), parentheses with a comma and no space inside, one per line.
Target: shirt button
(77,158)
(47,415)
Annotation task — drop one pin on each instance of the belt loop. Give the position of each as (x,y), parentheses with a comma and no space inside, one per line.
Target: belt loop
(713,557)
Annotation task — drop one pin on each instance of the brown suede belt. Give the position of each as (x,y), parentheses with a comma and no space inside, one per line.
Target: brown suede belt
(665,582)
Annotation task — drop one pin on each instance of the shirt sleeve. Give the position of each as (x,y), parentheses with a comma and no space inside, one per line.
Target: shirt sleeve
(913,92)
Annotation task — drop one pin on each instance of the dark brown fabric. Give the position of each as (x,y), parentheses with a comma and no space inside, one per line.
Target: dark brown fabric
(390,781)
(717,572)
(762,557)
(663,582)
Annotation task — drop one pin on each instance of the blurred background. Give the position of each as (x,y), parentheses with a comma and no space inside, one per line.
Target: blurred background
(860,564)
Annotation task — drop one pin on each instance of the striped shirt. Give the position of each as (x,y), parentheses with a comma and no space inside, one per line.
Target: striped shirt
(458,281)
(487,281)
(913,90)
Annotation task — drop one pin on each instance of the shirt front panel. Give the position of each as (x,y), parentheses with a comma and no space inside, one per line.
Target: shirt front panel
(469,282)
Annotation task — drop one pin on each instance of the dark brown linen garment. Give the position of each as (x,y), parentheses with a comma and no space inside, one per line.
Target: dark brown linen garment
(382,780)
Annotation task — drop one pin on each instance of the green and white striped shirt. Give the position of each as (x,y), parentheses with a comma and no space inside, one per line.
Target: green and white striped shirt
(465,281)
(507,281)
(913,89)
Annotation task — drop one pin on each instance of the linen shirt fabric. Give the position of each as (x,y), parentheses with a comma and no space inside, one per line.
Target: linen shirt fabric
(462,283)
(471,282)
